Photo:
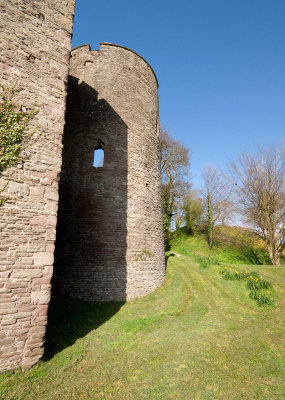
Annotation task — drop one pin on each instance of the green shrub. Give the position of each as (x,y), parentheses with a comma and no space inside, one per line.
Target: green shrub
(234,275)
(206,261)
(260,297)
(255,284)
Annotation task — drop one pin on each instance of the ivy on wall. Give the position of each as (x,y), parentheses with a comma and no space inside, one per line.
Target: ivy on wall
(15,134)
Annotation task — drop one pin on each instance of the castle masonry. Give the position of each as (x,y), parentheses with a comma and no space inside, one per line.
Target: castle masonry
(35,43)
(110,236)
(83,216)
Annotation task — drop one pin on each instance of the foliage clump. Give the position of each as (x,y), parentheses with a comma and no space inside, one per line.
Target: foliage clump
(257,285)
(260,297)
(205,262)
(143,255)
(14,132)
(193,212)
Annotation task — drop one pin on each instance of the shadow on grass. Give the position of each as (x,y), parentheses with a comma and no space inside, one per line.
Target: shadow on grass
(167,246)
(166,259)
(253,256)
(69,320)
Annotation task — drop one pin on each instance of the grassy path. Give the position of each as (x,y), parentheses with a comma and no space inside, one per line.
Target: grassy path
(198,337)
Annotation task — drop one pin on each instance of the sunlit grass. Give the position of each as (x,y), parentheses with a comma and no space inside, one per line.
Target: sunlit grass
(234,245)
(198,337)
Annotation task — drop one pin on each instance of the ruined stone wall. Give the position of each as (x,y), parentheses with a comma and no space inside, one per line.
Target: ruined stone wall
(35,43)
(110,236)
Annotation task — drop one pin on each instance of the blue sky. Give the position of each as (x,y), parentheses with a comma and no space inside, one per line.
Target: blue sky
(220,66)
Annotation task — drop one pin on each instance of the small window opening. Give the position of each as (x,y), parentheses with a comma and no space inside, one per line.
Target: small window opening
(98,161)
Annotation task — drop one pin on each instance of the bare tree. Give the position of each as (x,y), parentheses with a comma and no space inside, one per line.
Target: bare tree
(259,182)
(175,159)
(218,206)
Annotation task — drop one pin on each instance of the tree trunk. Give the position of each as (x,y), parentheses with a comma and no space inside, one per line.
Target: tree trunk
(210,224)
(274,255)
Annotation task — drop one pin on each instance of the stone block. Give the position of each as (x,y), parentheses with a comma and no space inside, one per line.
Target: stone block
(36,192)
(7,341)
(38,220)
(7,306)
(43,259)
(50,248)
(38,329)
(25,274)
(8,322)
(50,234)
(21,315)
(17,188)
(51,195)
(40,311)
(40,297)
(16,284)
(35,351)
(40,281)
(25,260)
(52,175)
(52,220)
(7,349)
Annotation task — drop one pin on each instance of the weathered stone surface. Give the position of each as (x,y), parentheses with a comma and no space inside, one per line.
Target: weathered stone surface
(41,297)
(26,273)
(109,235)
(26,260)
(36,192)
(42,259)
(38,220)
(17,188)
(52,220)
(41,311)
(34,55)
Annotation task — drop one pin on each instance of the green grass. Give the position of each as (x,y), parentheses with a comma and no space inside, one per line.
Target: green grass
(198,337)
(234,245)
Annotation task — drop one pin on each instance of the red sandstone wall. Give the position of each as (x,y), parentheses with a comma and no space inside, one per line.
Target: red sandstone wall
(35,44)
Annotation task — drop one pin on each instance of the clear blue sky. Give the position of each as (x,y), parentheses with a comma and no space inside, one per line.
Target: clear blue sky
(220,66)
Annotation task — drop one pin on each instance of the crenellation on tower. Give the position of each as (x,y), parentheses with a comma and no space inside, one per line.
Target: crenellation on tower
(114,217)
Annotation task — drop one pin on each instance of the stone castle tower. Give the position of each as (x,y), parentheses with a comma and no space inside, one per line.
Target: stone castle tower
(109,243)
(103,224)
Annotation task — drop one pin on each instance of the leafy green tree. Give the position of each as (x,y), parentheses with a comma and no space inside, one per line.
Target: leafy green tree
(193,211)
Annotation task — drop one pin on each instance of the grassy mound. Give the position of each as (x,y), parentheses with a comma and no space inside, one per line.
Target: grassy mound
(234,245)
(198,337)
